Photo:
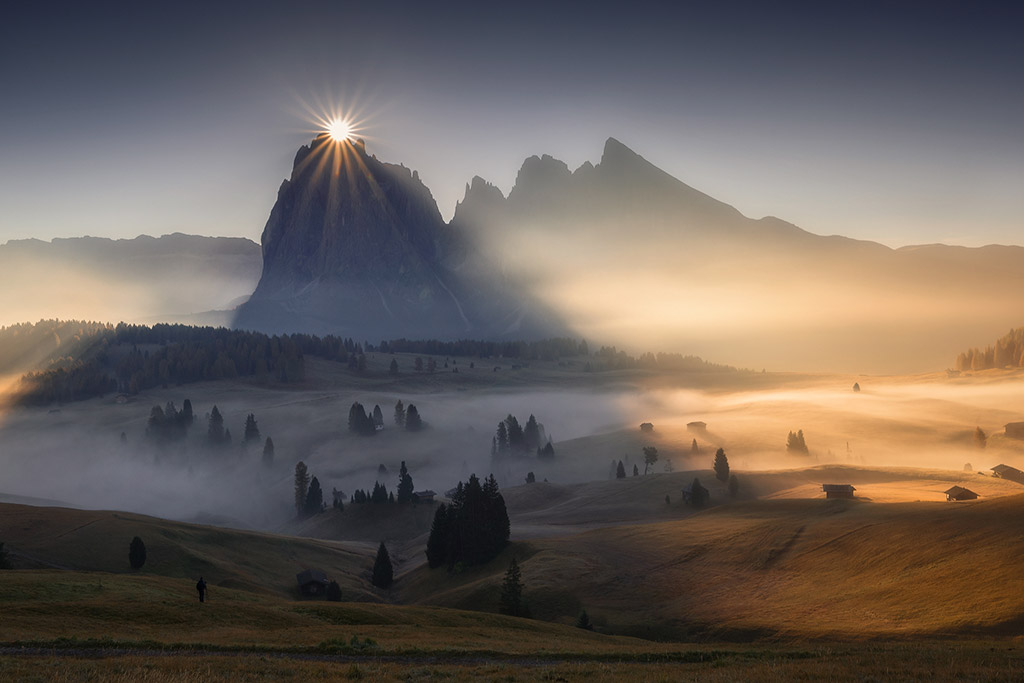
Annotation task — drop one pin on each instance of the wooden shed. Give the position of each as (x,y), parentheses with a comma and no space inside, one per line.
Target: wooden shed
(423,496)
(838,490)
(960,493)
(312,582)
(1015,430)
(1007,472)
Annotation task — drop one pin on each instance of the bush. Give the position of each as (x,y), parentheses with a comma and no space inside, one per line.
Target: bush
(137,553)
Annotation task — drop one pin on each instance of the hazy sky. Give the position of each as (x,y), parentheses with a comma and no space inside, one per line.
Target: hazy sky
(894,121)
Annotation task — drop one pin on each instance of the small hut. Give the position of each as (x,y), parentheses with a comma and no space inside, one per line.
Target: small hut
(838,490)
(1007,472)
(960,493)
(423,496)
(1015,430)
(312,582)
(697,427)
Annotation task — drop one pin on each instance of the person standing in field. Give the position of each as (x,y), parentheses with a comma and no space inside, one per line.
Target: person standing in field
(201,587)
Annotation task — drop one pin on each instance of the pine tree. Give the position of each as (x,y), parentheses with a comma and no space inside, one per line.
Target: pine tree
(547,452)
(734,486)
(650,457)
(694,448)
(583,622)
(383,572)
(137,553)
(516,440)
(405,486)
(252,432)
(359,422)
(437,543)
(399,414)
(721,466)
(301,486)
(314,498)
(620,471)
(215,428)
(378,417)
(186,413)
(268,452)
(531,478)
(512,591)
(394,367)
(698,494)
(501,437)
(636,471)
(413,423)
(980,438)
(531,434)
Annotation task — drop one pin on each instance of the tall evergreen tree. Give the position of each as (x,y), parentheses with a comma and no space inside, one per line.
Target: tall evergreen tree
(399,414)
(694,448)
(186,413)
(314,498)
(531,434)
(394,367)
(620,471)
(502,438)
(734,486)
(359,422)
(301,486)
(405,486)
(512,591)
(215,427)
(413,423)
(516,440)
(437,543)
(547,452)
(721,465)
(252,432)
(268,452)
(137,553)
(378,417)
(383,572)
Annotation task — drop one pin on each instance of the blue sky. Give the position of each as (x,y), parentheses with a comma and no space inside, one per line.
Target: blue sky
(897,122)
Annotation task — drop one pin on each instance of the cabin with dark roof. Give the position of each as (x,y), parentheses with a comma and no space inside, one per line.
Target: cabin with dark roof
(697,427)
(1007,472)
(1015,430)
(838,490)
(312,582)
(423,496)
(960,493)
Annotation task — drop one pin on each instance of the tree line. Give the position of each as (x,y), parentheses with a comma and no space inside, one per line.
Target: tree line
(1008,351)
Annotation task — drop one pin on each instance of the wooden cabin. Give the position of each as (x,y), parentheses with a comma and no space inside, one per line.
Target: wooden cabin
(1007,472)
(960,493)
(312,582)
(1015,430)
(423,496)
(838,490)
(697,427)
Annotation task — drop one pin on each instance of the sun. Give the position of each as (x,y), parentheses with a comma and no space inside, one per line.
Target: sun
(339,129)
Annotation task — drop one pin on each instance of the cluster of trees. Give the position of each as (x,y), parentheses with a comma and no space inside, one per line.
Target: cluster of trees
(615,359)
(380,491)
(472,529)
(545,349)
(795,443)
(513,439)
(169,424)
(368,424)
(309,497)
(1008,351)
(58,343)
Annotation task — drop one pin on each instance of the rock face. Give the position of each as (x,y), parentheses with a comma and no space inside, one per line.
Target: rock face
(357,247)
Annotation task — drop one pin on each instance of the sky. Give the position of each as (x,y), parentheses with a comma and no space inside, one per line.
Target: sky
(898,122)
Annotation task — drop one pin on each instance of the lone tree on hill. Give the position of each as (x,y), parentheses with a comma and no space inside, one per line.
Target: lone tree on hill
(399,414)
(413,423)
(314,498)
(512,592)
(584,621)
(301,486)
(137,553)
(383,572)
(268,452)
(405,486)
(394,367)
(980,438)
(734,486)
(721,466)
(252,432)
(650,457)
(620,471)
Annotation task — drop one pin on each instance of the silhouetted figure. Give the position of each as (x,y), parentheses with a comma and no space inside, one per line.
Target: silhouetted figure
(201,587)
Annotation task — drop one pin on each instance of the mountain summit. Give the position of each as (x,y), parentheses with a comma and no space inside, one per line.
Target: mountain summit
(357,247)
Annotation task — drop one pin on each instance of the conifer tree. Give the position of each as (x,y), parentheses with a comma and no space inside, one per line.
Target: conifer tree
(620,471)
(378,417)
(383,572)
(531,434)
(694,448)
(314,498)
(516,440)
(215,428)
(734,486)
(501,436)
(636,471)
(437,543)
(186,413)
(721,466)
(301,486)
(512,591)
(394,367)
(399,414)
(583,621)
(252,432)
(137,553)
(405,485)
(268,452)
(413,423)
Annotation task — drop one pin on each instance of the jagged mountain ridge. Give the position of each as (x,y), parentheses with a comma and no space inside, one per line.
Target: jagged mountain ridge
(355,246)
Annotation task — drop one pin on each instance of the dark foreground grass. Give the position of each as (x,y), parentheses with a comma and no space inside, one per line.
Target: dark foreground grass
(923,661)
